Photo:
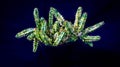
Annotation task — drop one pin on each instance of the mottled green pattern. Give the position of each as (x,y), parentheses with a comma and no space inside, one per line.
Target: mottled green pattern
(57,15)
(31,36)
(60,31)
(55,27)
(81,22)
(77,17)
(91,38)
(35,44)
(58,39)
(36,17)
(92,28)
(24,32)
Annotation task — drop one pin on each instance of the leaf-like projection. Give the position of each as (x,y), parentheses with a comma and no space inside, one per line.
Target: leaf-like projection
(36,16)
(77,17)
(55,27)
(91,38)
(58,39)
(90,44)
(92,28)
(68,27)
(57,15)
(43,25)
(82,22)
(24,32)
(35,44)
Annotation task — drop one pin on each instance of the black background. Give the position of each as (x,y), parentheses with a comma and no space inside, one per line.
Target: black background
(17,15)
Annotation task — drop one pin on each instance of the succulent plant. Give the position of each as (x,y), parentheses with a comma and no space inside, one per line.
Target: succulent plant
(54,33)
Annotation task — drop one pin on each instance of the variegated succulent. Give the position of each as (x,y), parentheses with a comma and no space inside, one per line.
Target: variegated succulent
(54,33)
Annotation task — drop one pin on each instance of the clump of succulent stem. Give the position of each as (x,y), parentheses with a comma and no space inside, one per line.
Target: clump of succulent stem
(54,33)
